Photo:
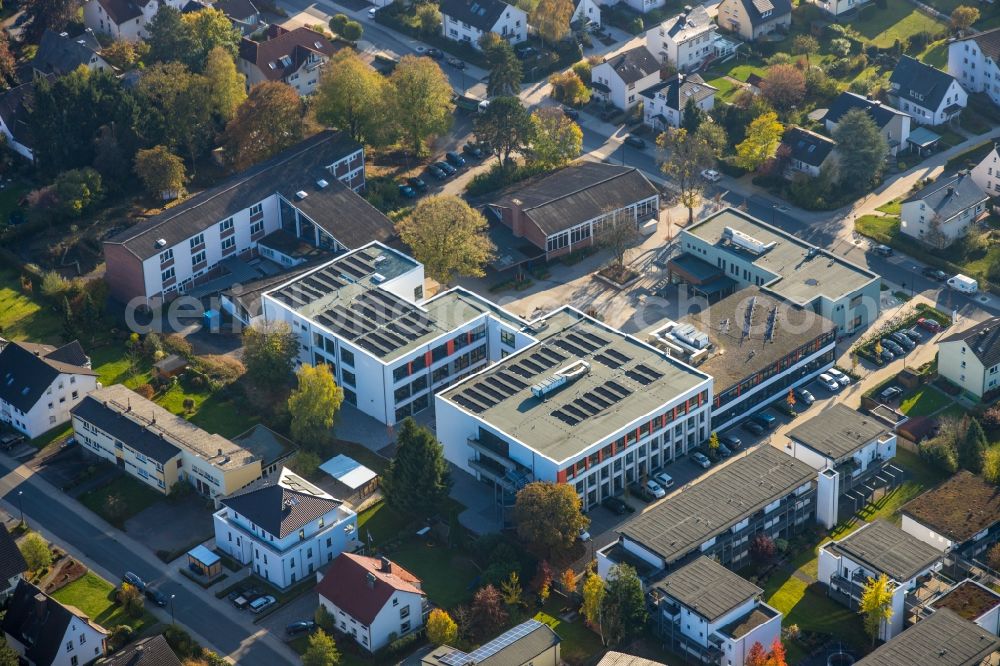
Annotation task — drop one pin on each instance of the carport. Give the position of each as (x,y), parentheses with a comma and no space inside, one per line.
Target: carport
(351,475)
(204,562)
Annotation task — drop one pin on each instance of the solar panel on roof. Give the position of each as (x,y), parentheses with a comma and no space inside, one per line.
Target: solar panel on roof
(617,355)
(577,340)
(502,641)
(552,353)
(575,351)
(648,371)
(575,411)
(490,391)
(512,380)
(524,372)
(506,389)
(468,404)
(593,337)
(546,363)
(613,398)
(615,386)
(352,271)
(597,400)
(611,363)
(531,365)
(586,406)
(565,418)
(638,377)
(481,398)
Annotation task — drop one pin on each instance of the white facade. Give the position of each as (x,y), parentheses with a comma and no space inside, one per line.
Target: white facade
(986,174)
(512,26)
(621,94)
(917,219)
(926,534)
(684,41)
(926,116)
(81,644)
(838,7)
(133,29)
(52,409)
(587,11)
(960,365)
(975,70)
(12,143)
(656,106)
(642,6)
(697,629)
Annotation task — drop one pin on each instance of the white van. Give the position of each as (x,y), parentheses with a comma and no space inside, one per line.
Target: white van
(963,283)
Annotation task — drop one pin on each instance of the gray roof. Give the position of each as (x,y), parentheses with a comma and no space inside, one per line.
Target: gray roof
(577,193)
(758,10)
(11,560)
(627,380)
(959,508)
(943,639)
(336,208)
(681,88)
(482,14)
(39,622)
(837,431)
(152,651)
(681,523)
(612,658)
(989,43)
(15,110)
(920,83)
(517,646)
(248,294)
(883,548)
(281,504)
(27,371)
(688,24)
(879,112)
(983,340)
(634,64)
(60,54)
(949,197)
(239,10)
(708,588)
(808,147)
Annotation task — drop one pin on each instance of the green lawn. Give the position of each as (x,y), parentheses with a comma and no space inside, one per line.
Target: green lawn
(22,317)
(46,438)
(726,87)
(95,596)
(447,574)
(919,477)
(135,496)
(899,20)
(950,138)
(382,521)
(891,208)
(924,402)
(112,368)
(878,227)
(936,54)
(578,642)
(8,200)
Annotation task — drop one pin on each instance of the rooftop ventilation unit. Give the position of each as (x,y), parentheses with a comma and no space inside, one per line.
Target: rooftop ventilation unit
(162,242)
(378,278)
(321,183)
(690,335)
(301,194)
(562,377)
(746,241)
(379,259)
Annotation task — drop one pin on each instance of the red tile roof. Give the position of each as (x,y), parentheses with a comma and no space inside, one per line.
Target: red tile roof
(348,585)
(294,45)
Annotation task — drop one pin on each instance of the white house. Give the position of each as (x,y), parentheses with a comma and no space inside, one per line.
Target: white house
(15,117)
(971,358)
(961,515)
(878,548)
(371,599)
(60,54)
(973,61)
(986,174)
(806,152)
(295,57)
(942,212)
(39,385)
(664,104)
(284,528)
(930,96)
(468,20)
(846,447)
(12,564)
(43,632)
(124,19)
(685,41)
(838,7)
(620,79)
(714,615)
(587,11)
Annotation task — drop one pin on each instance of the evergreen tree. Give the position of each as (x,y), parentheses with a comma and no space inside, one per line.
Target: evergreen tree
(694,116)
(624,605)
(417,480)
(972,447)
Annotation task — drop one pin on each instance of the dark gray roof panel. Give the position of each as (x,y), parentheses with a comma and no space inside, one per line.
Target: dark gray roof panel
(708,588)
(880,113)
(808,147)
(919,83)
(943,639)
(837,432)
(27,371)
(281,505)
(983,340)
(884,548)
(948,197)
(482,14)
(634,64)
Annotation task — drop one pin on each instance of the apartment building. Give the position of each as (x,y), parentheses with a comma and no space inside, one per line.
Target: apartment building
(531,643)
(284,528)
(943,639)
(664,104)
(986,174)
(621,78)
(973,60)
(752,19)
(971,358)
(158,447)
(309,191)
(686,41)
(583,404)
(942,212)
(972,601)
(364,315)
(295,57)
(961,516)
(467,21)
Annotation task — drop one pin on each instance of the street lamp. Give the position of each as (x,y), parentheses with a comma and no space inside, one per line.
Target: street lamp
(172,622)
(20,504)
(774,209)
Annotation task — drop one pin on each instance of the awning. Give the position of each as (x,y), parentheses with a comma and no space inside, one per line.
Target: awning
(923,137)
(693,269)
(348,471)
(203,555)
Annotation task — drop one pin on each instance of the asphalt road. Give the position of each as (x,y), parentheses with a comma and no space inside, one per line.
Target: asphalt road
(191,609)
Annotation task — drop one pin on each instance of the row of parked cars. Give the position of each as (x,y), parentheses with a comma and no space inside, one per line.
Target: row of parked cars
(151,593)
(441,170)
(898,343)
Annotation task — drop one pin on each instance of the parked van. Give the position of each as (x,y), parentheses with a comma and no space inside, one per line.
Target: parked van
(963,283)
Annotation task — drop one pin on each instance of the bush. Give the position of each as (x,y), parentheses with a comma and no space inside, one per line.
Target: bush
(498,177)
(175,344)
(583,69)
(146,391)
(305,463)
(220,370)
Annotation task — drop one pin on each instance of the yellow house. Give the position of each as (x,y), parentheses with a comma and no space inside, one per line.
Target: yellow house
(753,19)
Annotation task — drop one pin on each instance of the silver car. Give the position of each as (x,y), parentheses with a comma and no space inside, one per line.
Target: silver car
(841,378)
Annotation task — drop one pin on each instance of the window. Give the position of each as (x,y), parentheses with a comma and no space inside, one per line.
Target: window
(256,209)
(404,612)
(228,243)
(347,357)
(197,240)
(349,378)
(405,627)
(69,646)
(167,274)
(226,225)
(418,293)
(166,256)
(198,258)
(256,227)
(507,337)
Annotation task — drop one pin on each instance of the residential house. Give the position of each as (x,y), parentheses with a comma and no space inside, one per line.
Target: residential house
(806,152)
(894,125)
(612,658)
(753,19)
(243,14)
(930,96)
(619,79)
(961,515)
(777,499)
(663,105)
(126,20)
(151,651)
(876,549)
(986,174)
(284,528)
(371,599)
(158,447)
(686,41)
(566,210)
(848,449)
(44,632)
(705,610)
(943,639)
(531,643)
(839,7)
(60,54)
(295,57)
(468,20)
(309,191)
(15,118)
(972,601)
(971,358)
(12,564)
(942,212)
(39,385)
(587,12)
(973,60)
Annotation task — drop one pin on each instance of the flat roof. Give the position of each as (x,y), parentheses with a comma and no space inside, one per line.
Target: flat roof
(837,431)
(203,555)
(969,599)
(708,588)
(627,379)
(348,471)
(266,444)
(943,639)
(959,508)
(802,270)
(882,547)
(686,520)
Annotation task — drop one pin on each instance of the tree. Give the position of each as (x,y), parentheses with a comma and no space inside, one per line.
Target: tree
(619,233)
(178,109)
(763,136)
(322,651)
(125,55)
(208,29)
(428,18)
(568,582)
(337,23)
(511,590)
(762,549)
(269,350)
(777,656)
(805,45)
(305,463)
(862,148)
(506,125)
(505,68)
(488,612)
(54,286)
(77,190)
(352,31)
(169,39)
(351,96)
(555,138)
(991,464)
(417,480)
(42,15)
(688,154)
(8,63)
(35,550)
(161,172)
(693,116)
(226,86)
(713,442)
(784,86)
(422,94)
(876,605)
(551,19)
(441,629)
(594,592)
(267,122)
(790,399)
(448,237)
(131,600)
(314,404)
(756,656)
(962,18)
(548,517)
(993,557)
(972,447)
(624,605)
(568,87)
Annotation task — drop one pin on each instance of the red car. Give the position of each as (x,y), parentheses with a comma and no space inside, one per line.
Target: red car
(929,324)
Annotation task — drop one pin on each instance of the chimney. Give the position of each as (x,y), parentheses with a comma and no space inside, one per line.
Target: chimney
(370,579)
(951,190)
(220,452)
(386,565)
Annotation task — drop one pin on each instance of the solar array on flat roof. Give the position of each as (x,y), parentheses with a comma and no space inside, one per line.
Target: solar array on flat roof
(458,658)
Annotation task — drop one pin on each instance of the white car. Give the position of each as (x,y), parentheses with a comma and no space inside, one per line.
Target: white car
(711,175)
(260,603)
(584,535)
(664,480)
(829,382)
(371,12)
(839,376)
(701,460)
(654,488)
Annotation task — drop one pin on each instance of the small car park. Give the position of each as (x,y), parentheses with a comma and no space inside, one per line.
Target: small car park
(902,340)
(829,382)
(615,505)
(753,427)
(929,324)
(723,450)
(447,168)
(890,394)
(711,175)
(734,443)
(417,183)
(893,346)
(839,377)
(455,159)
(657,491)
(436,172)
(887,356)
(134,580)
(242,599)
(260,604)
(913,335)
(300,627)
(805,396)
(664,480)
(635,142)
(764,419)
(701,460)
(641,491)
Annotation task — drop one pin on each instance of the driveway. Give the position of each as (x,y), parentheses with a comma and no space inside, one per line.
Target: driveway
(172,526)
(300,608)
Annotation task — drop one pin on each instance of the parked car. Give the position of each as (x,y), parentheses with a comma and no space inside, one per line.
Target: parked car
(584,535)
(641,491)
(665,480)
(701,460)
(524,51)
(615,505)
(913,335)
(753,427)
(261,603)
(887,356)
(929,324)
(734,443)
(300,627)
(902,340)
(455,159)
(571,113)
(841,378)
(829,382)
(447,168)
(883,250)
(891,345)
(656,489)
(935,274)
(407,192)
(157,597)
(10,440)
(765,420)
(437,54)
(635,142)
(134,580)
(417,183)
(724,450)
(372,11)
(805,396)
(890,393)
(455,62)
(435,172)
(711,175)
(473,151)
